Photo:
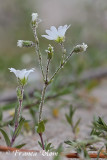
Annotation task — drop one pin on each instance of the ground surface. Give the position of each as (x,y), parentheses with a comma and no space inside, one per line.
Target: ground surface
(57,129)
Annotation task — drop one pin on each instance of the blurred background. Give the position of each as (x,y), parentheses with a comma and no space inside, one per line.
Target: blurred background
(88,21)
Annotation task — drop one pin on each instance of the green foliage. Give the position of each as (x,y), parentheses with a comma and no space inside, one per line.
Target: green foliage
(82,146)
(41,127)
(37,94)
(83,143)
(99,127)
(11,130)
(91,84)
(58,150)
(7,140)
(20,145)
(8,106)
(33,112)
(21,122)
(47,146)
(69,118)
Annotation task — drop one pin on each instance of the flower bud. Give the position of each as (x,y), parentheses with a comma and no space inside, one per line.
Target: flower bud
(35,19)
(22,43)
(80,48)
(50,51)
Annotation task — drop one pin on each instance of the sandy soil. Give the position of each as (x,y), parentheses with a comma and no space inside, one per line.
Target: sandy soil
(57,129)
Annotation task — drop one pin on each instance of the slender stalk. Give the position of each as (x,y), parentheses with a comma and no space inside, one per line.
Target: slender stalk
(42,102)
(40,111)
(43,98)
(61,66)
(47,69)
(63,52)
(20,105)
(38,51)
(42,142)
(18,117)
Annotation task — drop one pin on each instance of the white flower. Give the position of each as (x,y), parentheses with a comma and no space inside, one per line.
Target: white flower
(56,34)
(22,74)
(34,17)
(20,43)
(80,48)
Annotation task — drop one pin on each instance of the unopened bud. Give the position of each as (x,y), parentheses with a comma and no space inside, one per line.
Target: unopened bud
(22,43)
(80,48)
(50,51)
(35,19)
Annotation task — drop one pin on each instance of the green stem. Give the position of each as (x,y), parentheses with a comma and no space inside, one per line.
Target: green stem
(18,117)
(42,102)
(63,52)
(44,89)
(47,70)
(38,52)
(61,66)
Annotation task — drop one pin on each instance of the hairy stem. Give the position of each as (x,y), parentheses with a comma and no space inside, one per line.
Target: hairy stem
(42,102)
(47,70)
(43,98)
(44,89)
(38,51)
(63,52)
(61,66)
(17,118)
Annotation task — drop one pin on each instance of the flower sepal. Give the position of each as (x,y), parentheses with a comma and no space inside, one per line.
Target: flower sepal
(60,39)
(22,81)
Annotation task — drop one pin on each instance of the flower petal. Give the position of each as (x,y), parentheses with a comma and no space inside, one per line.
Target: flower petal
(51,34)
(54,30)
(48,37)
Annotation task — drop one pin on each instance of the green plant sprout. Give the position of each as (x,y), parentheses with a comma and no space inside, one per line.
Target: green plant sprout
(69,118)
(98,134)
(82,147)
(99,128)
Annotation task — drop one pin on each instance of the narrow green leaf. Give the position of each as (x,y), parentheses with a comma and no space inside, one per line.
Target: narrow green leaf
(20,145)
(40,144)
(21,122)
(68,119)
(11,130)
(72,111)
(7,140)
(58,150)
(77,123)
